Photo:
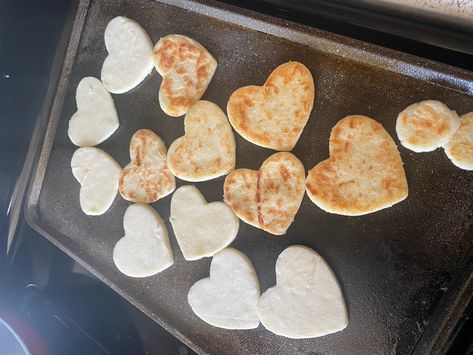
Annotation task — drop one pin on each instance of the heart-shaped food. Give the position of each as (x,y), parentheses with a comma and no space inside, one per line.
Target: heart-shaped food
(270,197)
(306,301)
(364,173)
(98,174)
(207,150)
(187,68)
(201,229)
(96,118)
(274,115)
(228,298)
(460,148)
(130,55)
(145,248)
(426,125)
(147,178)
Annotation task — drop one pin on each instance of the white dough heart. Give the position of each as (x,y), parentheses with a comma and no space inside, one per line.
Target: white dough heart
(201,229)
(130,55)
(307,301)
(96,118)
(98,174)
(227,299)
(145,249)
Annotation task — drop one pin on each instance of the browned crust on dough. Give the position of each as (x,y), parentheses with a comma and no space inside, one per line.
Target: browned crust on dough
(141,181)
(327,185)
(282,187)
(242,204)
(460,147)
(272,195)
(291,81)
(171,54)
(218,138)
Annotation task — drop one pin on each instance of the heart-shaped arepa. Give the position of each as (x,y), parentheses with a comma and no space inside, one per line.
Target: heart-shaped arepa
(275,114)
(98,174)
(228,298)
(147,178)
(364,173)
(207,150)
(96,118)
(201,229)
(145,248)
(187,69)
(306,301)
(130,55)
(270,197)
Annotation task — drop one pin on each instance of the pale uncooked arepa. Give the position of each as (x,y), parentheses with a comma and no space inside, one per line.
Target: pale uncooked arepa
(130,55)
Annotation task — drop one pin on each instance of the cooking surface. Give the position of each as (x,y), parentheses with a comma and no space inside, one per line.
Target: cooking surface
(456,9)
(393,265)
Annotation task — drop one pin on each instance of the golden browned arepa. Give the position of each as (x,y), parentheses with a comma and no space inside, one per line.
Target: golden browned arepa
(207,150)
(270,197)
(147,178)
(364,173)
(426,125)
(275,114)
(460,148)
(187,69)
